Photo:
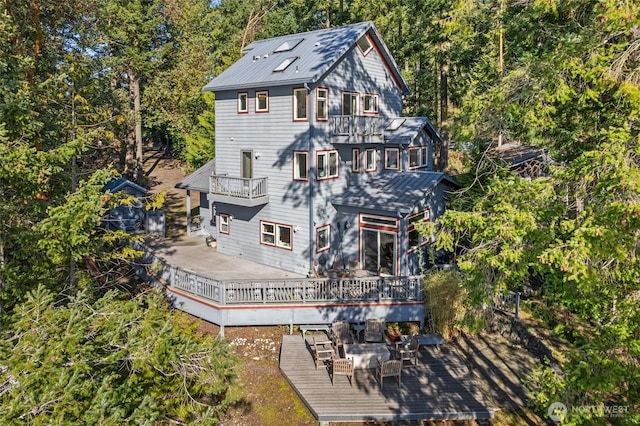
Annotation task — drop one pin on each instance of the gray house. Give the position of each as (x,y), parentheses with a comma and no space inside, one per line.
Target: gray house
(316,169)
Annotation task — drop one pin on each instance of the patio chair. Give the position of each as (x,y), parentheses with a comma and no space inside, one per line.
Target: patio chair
(321,352)
(374,331)
(340,334)
(409,352)
(342,367)
(391,368)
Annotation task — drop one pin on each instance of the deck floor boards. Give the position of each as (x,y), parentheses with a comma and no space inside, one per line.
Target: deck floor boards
(439,387)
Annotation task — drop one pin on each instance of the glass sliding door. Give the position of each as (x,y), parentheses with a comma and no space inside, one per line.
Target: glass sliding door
(378,251)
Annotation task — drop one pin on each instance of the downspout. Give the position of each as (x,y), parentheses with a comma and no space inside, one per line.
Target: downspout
(311,180)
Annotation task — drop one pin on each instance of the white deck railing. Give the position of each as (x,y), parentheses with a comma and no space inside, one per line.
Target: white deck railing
(237,187)
(357,125)
(279,291)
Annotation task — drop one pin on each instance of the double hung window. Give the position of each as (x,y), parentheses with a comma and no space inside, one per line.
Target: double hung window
(370,160)
(300,165)
(262,101)
(322,104)
(300,104)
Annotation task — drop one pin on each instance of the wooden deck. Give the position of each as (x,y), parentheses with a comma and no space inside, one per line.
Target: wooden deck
(440,387)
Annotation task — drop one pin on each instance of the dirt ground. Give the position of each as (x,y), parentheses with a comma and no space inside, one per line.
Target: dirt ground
(267,399)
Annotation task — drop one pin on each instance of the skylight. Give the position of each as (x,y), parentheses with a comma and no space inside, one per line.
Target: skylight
(395,124)
(284,64)
(288,45)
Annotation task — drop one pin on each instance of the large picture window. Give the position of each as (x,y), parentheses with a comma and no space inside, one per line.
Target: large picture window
(275,234)
(300,104)
(322,104)
(323,238)
(300,165)
(327,164)
(262,101)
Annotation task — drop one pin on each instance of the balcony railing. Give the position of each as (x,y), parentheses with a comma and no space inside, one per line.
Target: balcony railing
(357,125)
(237,188)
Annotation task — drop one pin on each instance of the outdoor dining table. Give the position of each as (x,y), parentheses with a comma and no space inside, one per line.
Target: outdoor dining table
(364,355)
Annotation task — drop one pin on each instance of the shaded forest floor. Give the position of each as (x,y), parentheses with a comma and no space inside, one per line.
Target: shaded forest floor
(499,365)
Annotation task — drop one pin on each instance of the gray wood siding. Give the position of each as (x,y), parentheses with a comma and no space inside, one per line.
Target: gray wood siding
(272,137)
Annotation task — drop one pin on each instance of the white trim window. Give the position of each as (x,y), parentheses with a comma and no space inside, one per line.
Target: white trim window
(322,104)
(262,101)
(276,234)
(301,165)
(392,158)
(417,157)
(364,44)
(243,102)
(225,221)
(327,164)
(370,160)
(300,104)
(323,238)
(415,239)
(355,160)
(370,103)
(350,103)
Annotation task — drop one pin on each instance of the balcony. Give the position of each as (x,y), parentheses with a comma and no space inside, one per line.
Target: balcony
(358,128)
(247,192)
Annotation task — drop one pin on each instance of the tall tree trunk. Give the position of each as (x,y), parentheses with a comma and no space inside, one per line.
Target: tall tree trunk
(131,163)
(138,128)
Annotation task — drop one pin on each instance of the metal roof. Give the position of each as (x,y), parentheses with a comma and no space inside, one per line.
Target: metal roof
(408,130)
(316,52)
(199,180)
(392,192)
(116,184)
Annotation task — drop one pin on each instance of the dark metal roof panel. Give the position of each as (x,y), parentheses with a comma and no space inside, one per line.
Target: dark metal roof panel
(317,52)
(199,180)
(392,192)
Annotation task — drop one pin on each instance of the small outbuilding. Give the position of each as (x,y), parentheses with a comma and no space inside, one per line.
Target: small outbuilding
(128,217)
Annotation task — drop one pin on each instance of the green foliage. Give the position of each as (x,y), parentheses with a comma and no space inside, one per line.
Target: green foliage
(109,361)
(445,300)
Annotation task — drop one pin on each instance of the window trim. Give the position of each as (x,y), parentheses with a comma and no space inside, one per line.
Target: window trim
(365,52)
(375,97)
(246,103)
(421,156)
(295,104)
(296,168)
(386,158)
(374,162)
(318,230)
(355,160)
(328,154)
(258,93)
(355,95)
(326,104)
(377,222)
(221,225)
(276,235)
(426,217)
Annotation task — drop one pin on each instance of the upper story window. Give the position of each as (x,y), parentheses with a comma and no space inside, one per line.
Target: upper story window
(415,238)
(392,158)
(417,157)
(262,101)
(349,103)
(322,104)
(370,103)
(364,44)
(300,104)
(300,165)
(370,160)
(327,164)
(243,102)
(355,160)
